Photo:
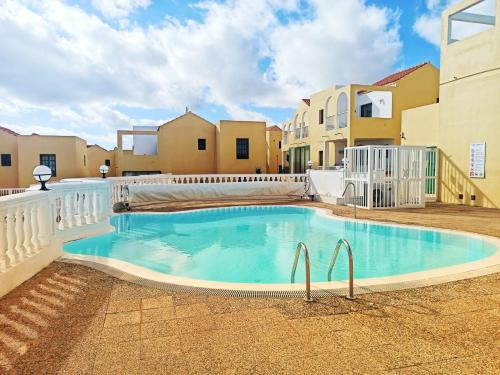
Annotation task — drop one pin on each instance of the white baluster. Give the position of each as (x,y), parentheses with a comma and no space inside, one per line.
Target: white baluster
(44,226)
(62,212)
(20,234)
(27,231)
(4,258)
(68,198)
(11,236)
(98,207)
(81,213)
(90,205)
(34,227)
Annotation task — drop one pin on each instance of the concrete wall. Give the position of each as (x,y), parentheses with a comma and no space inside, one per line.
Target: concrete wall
(70,156)
(274,156)
(178,145)
(9,175)
(227,133)
(421,126)
(96,156)
(470,112)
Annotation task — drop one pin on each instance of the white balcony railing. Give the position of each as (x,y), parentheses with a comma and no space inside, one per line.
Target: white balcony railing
(10,191)
(297,133)
(330,122)
(305,132)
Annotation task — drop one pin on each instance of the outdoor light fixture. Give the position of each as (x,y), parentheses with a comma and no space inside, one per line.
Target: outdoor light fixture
(310,164)
(103,169)
(42,174)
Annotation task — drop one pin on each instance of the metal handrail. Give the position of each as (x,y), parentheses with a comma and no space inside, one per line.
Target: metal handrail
(302,246)
(345,190)
(351,265)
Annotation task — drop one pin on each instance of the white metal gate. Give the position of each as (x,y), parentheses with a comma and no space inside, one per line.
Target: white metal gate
(386,176)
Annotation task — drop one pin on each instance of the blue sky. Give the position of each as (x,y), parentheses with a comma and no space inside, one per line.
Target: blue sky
(89,67)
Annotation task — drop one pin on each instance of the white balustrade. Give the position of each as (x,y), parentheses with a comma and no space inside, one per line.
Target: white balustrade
(24,227)
(10,191)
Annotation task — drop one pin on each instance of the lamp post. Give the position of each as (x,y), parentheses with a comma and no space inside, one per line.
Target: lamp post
(103,169)
(42,174)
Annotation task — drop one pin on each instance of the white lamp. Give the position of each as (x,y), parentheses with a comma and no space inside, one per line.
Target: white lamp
(103,169)
(310,164)
(42,174)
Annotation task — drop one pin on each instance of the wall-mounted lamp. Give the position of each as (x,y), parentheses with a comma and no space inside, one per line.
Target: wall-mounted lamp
(103,169)
(42,174)
(309,164)
(402,135)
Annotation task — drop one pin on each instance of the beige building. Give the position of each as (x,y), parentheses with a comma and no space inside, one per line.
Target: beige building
(354,115)
(188,144)
(465,125)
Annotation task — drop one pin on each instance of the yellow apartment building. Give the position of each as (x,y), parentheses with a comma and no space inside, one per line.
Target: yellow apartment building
(188,144)
(354,115)
(465,125)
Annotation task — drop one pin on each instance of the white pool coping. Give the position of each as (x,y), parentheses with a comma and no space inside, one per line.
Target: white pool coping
(462,271)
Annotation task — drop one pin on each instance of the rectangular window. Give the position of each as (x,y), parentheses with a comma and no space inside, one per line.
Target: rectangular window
(202,144)
(321,116)
(6,160)
(366,110)
(84,160)
(320,159)
(242,148)
(49,160)
(279,145)
(107,162)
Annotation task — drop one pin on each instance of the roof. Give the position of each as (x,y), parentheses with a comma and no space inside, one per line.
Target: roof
(185,114)
(307,101)
(96,145)
(273,128)
(8,131)
(398,75)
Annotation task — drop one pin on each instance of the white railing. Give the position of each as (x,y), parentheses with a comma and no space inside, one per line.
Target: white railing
(34,224)
(305,132)
(119,185)
(285,137)
(297,133)
(385,176)
(431,174)
(26,227)
(10,191)
(330,123)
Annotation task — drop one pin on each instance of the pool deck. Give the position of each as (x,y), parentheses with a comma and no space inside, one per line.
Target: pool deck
(70,319)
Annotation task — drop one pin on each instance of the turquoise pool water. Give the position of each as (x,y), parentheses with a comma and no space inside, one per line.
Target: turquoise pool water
(257,245)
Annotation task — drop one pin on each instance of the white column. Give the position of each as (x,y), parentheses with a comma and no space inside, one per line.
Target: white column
(4,258)
(44,226)
(35,243)
(81,209)
(27,230)
(11,236)
(19,234)
(90,204)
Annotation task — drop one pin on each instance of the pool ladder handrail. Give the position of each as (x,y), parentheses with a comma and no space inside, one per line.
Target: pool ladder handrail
(302,246)
(355,196)
(351,265)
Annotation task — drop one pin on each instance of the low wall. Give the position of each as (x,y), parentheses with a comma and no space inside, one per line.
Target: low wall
(326,185)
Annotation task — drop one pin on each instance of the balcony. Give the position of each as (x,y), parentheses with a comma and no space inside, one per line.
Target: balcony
(305,132)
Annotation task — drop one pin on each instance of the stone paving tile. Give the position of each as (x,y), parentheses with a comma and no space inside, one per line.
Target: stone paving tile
(187,311)
(158,302)
(160,347)
(121,333)
(159,329)
(123,318)
(156,315)
(124,305)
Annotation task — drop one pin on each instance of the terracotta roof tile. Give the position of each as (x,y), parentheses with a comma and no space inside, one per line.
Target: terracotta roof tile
(307,101)
(274,128)
(398,75)
(6,130)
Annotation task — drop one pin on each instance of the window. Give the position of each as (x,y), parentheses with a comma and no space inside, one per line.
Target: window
(279,145)
(107,162)
(321,116)
(242,148)
(342,110)
(366,110)
(84,160)
(320,159)
(6,160)
(50,161)
(202,144)
(471,20)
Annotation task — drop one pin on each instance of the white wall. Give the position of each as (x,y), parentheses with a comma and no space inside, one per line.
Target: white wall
(145,144)
(381,103)
(326,185)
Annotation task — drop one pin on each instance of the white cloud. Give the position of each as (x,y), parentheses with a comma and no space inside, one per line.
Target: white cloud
(119,8)
(78,68)
(428,25)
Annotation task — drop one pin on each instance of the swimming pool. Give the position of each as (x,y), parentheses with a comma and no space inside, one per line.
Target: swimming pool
(256,245)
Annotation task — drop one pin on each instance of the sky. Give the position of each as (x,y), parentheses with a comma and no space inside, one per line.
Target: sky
(90,67)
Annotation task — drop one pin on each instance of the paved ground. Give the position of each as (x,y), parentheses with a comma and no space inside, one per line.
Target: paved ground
(74,320)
